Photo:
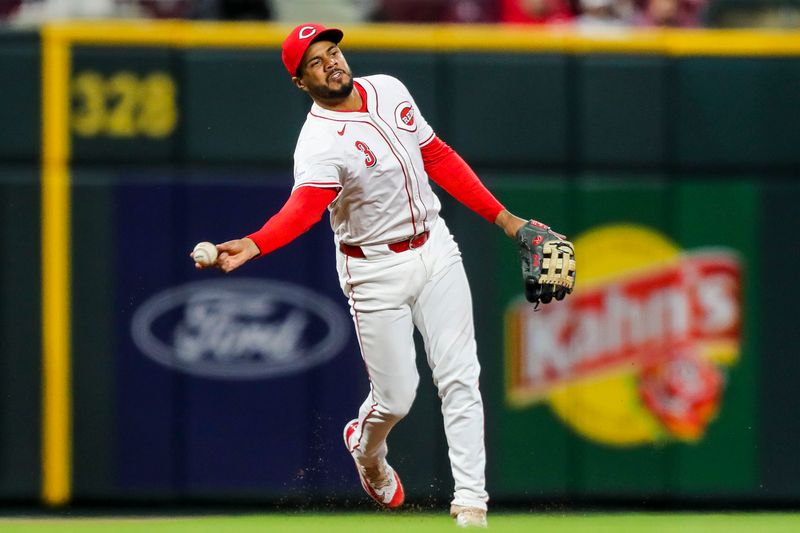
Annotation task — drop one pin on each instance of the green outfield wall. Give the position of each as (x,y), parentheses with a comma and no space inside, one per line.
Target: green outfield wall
(688,144)
(535,110)
(502,111)
(20,274)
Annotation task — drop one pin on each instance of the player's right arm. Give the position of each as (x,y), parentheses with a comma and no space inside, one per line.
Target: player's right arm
(302,210)
(317,182)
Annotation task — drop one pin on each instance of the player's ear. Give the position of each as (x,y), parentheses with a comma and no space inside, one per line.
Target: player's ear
(299,83)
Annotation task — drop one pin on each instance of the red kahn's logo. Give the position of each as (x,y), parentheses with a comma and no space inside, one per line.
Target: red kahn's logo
(632,322)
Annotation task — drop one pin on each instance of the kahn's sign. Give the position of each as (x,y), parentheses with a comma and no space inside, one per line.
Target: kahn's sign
(638,354)
(240,329)
(633,322)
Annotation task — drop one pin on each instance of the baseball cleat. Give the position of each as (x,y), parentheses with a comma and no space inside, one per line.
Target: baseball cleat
(380,482)
(468,516)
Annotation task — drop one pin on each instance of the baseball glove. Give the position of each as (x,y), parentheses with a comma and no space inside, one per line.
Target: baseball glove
(548,263)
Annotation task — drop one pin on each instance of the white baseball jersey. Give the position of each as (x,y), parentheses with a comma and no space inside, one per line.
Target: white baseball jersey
(374,157)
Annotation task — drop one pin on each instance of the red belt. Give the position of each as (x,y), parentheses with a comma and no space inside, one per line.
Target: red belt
(413,242)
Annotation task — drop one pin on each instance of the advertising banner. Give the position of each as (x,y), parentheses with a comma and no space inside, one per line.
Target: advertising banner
(643,381)
(637,354)
(228,384)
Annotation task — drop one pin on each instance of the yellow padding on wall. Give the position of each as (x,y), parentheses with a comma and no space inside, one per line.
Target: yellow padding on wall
(450,37)
(55,256)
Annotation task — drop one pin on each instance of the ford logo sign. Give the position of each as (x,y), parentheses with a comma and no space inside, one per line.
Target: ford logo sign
(240,328)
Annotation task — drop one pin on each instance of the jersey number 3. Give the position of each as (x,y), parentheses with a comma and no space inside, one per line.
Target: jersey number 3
(369,157)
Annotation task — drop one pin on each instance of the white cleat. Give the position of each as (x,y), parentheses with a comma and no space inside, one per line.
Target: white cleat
(468,516)
(380,482)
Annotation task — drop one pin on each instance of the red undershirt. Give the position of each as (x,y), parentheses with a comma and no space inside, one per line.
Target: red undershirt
(306,205)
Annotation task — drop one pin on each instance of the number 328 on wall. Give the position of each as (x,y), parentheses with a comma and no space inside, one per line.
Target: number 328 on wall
(123,104)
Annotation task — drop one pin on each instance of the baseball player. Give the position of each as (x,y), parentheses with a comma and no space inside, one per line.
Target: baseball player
(366,154)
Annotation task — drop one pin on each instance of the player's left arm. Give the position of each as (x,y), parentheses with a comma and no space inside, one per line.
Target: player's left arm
(509,222)
(548,259)
(454,175)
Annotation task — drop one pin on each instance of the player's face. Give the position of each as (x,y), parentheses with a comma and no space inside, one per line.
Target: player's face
(324,72)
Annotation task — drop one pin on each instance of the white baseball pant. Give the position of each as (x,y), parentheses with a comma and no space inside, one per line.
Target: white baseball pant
(390,293)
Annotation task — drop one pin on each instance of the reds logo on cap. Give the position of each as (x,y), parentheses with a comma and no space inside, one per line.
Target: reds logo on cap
(300,38)
(404,116)
(306,32)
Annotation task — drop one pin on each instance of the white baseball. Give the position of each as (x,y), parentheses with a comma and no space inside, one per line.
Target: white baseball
(205,253)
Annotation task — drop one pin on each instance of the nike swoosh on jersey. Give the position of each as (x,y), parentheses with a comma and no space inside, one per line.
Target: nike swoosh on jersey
(342,132)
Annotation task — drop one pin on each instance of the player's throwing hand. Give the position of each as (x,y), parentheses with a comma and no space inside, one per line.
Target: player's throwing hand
(235,253)
(230,255)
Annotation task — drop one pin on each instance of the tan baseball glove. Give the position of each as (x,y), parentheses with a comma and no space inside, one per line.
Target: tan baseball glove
(548,263)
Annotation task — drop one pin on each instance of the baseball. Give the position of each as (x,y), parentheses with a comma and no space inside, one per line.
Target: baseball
(205,253)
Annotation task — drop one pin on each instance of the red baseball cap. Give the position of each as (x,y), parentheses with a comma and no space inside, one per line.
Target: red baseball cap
(300,38)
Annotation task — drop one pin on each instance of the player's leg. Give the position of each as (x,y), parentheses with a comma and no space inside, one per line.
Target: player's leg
(386,340)
(443,314)
(378,298)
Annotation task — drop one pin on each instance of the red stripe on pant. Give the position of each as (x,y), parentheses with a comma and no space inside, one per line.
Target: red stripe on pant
(361,347)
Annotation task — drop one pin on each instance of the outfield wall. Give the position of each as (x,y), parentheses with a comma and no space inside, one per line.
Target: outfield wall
(143,139)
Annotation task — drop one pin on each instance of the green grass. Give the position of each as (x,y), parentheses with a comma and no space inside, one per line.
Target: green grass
(422,523)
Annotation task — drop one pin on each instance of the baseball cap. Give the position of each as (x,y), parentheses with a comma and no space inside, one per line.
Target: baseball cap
(300,38)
